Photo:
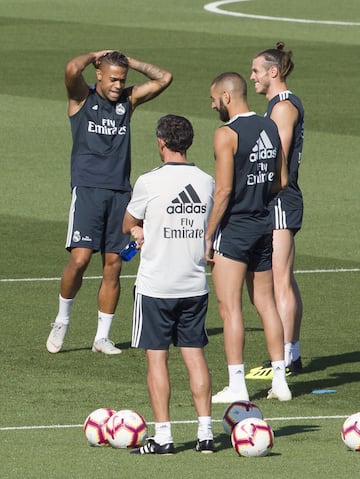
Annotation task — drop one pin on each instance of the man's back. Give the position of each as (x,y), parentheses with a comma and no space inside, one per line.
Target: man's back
(175,201)
(254,163)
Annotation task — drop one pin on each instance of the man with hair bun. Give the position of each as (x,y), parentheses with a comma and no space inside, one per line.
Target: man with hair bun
(100,179)
(269,72)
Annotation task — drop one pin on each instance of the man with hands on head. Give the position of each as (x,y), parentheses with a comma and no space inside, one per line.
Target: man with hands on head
(100,179)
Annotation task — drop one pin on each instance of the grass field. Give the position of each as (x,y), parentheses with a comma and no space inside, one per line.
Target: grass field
(45,398)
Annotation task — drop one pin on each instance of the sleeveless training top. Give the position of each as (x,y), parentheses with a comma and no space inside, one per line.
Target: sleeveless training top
(254,164)
(291,197)
(100,156)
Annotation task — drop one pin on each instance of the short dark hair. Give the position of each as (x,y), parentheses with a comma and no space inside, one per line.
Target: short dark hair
(115,58)
(237,80)
(176,131)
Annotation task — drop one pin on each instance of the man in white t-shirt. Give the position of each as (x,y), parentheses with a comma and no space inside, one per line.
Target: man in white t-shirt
(167,216)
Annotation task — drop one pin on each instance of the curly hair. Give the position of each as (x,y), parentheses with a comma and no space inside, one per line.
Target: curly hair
(176,131)
(280,58)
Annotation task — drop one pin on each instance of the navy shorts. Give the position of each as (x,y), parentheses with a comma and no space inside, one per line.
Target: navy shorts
(160,322)
(246,239)
(95,219)
(285,219)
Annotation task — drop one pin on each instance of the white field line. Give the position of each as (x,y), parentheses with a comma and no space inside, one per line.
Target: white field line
(270,419)
(132,276)
(214,7)
(30,280)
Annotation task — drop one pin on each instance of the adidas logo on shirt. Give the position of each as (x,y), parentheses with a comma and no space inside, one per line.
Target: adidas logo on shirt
(263,148)
(262,151)
(187,201)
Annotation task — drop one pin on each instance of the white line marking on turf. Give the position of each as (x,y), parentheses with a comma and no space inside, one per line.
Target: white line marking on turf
(68,426)
(54,426)
(30,280)
(133,276)
(214,8)
(340,270)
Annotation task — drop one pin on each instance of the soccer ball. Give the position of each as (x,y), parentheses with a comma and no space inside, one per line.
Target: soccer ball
(252,437)
(94,426)
(350,432)
(236,412)
(126,428)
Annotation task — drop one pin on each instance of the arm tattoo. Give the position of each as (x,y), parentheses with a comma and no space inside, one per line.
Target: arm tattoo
(151,71)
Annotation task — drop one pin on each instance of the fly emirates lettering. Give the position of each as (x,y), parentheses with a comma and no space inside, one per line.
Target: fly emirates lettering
(185,230)
(108,127)
(262,176)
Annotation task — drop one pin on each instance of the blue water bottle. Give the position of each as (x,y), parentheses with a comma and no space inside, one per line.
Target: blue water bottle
(129,251)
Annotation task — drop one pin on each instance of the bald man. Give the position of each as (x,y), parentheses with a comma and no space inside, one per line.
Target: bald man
(250,168)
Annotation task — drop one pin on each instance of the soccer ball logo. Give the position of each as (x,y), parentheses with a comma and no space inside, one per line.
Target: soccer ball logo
(126,428)
(95,426)
(350,432)
(237,411)
(252,437)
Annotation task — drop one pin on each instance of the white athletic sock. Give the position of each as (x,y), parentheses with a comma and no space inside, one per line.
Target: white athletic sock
(278,371)
(163,433)
(104,325)
(295,350)
(204,428)
(287,354)
(236,377)
(63,315)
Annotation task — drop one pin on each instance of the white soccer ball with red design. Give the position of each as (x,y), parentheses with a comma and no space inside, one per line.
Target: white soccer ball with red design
(95,426)
(237,411)
(252,437)
(350,432)
(126,428)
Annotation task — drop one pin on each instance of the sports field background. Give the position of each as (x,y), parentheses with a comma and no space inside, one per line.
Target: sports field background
(45,398)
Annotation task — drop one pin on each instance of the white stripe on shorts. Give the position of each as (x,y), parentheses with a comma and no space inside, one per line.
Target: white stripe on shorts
(280,216)
(137,321)
(217,239)
(71,218)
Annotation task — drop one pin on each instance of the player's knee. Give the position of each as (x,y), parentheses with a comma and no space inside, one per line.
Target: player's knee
(79,262)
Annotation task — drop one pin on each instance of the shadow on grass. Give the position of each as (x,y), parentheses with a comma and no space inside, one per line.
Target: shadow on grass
(322,362)
(223,441)
(295,429)
(331,381)
(122,346)
(304,385)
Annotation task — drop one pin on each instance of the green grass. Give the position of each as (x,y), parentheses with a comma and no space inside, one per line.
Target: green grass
(42,390)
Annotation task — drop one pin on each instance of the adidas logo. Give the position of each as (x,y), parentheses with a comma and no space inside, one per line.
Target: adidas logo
(95,107)
(187,201)
(188,195)
(264,373)
(263,148)
(284,95)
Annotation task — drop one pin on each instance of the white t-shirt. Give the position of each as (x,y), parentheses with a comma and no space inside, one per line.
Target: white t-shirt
(174,201)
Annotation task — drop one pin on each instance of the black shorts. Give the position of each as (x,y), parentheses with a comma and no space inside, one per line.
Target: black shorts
(285,219)
(159,322)
(246,239)
(95,219)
